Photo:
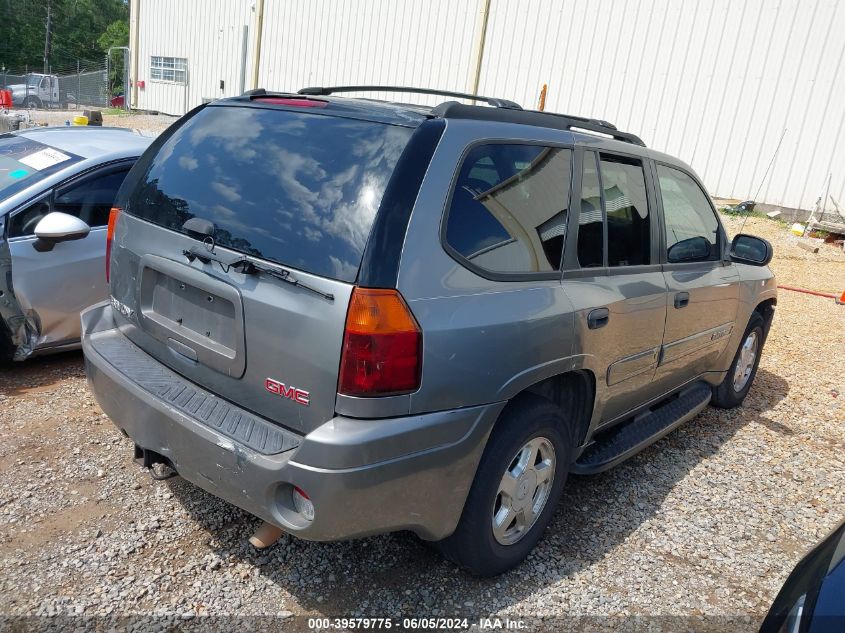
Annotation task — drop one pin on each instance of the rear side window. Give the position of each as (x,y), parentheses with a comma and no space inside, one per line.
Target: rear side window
(509,208)
(687,213)
(626,209)
(296,188)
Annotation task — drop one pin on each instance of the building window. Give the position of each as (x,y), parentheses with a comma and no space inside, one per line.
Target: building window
(173,69)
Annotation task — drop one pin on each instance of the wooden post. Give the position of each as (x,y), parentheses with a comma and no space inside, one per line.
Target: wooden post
(542,105)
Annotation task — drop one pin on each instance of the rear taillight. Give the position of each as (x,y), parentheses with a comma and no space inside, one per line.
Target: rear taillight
(110,236)
(382,345)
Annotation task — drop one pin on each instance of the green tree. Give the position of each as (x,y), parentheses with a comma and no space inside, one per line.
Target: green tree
(76,28)
(116,34)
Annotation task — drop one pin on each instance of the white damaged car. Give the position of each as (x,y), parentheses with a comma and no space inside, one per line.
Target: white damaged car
(57,186)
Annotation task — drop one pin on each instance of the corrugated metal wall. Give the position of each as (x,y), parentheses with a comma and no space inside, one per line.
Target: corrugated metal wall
(715,82)
(374,42)
(208,33)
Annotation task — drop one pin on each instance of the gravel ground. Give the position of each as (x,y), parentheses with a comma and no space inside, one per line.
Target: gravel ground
(707,522)
(147,123)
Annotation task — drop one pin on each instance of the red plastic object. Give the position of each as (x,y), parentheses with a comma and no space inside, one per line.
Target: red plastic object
(826,295)
(293,101)
(5,99)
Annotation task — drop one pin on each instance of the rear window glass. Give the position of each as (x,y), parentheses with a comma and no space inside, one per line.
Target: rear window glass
(23,162)
(295,188)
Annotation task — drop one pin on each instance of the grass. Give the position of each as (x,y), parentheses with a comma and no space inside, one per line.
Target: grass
(753,214)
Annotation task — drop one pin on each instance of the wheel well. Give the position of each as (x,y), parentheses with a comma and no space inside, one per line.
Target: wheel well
(574,392)
(766,309)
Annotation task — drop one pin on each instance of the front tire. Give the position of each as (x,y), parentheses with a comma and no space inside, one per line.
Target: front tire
(515,491)
(737,383)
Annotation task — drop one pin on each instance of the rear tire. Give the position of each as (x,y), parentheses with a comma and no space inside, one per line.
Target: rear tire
(510,503)
(737,383)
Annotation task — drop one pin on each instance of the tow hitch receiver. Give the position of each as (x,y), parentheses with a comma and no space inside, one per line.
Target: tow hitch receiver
(160,467)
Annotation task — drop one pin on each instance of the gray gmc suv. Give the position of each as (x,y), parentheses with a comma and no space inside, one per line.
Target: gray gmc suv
(350,317)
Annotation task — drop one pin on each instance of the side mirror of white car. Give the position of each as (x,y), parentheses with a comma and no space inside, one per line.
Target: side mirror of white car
(58,227)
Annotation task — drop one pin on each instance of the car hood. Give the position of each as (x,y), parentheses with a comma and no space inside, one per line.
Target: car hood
(813,597)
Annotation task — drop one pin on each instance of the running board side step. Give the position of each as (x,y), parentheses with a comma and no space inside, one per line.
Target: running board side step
(629,438)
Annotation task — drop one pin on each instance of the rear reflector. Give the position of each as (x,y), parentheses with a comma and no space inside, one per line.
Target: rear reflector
(293,102)
(382,345)
(302,504)
(110,236)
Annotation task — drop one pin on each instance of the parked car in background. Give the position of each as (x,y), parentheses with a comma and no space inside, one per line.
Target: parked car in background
(812,599)
(349,317)
(57,186)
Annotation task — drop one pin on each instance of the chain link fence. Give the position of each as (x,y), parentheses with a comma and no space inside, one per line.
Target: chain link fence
(74,86)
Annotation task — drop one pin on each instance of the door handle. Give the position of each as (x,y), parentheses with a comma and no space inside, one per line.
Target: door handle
(598,318)
(681,300)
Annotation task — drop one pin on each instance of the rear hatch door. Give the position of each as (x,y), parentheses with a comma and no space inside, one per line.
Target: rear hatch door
(239,245)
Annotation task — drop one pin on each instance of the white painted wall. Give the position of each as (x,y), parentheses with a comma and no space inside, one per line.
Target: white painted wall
(714,82)
(208,33)
(425,43)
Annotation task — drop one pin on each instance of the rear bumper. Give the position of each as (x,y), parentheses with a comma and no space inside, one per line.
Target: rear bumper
(363,476)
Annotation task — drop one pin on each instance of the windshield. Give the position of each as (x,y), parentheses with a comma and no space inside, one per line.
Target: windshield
(24,162)
(33,80)
(296,188)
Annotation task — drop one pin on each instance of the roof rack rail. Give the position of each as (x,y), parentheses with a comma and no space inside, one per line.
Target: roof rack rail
(455,110)
(493,101)
(597,125)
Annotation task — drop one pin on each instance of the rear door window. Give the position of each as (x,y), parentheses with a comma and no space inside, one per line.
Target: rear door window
(591,218)
(509,208)
(626,210)
(296,188)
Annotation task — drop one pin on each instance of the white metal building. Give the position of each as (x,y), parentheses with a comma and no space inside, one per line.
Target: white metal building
(715,82)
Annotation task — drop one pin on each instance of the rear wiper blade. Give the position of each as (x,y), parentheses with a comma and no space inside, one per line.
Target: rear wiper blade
(248,267)
(205,256)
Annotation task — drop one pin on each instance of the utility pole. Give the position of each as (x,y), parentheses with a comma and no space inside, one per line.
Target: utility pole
(47,38)
(478,48)
(259,28)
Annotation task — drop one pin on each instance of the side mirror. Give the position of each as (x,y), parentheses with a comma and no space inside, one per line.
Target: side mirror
(749,249)
(58,227)
(693,249)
